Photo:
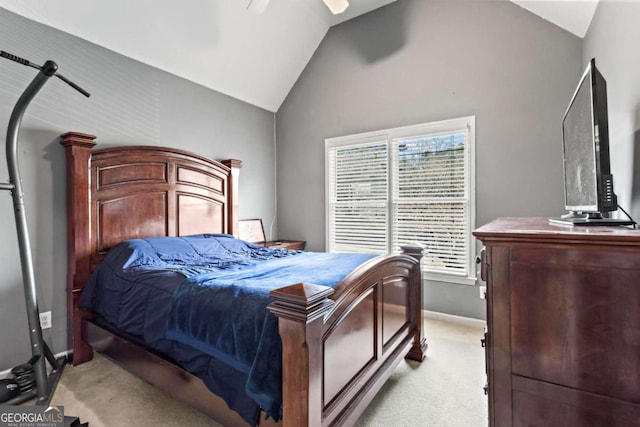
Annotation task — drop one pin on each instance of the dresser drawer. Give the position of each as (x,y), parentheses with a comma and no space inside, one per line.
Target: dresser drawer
(536,403)
(576,324)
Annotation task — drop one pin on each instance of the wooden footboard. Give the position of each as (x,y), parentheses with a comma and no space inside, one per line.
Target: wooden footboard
(340,345)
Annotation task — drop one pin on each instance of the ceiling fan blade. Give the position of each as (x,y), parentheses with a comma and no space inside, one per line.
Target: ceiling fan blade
(337,6)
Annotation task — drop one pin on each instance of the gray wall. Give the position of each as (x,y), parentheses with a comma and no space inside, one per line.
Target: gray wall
(613,39)
(131,103)
(417,61)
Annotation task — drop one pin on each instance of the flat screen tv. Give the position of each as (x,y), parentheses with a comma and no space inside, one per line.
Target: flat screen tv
(588,183)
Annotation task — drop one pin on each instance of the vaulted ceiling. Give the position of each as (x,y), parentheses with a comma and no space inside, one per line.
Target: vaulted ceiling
(221,45)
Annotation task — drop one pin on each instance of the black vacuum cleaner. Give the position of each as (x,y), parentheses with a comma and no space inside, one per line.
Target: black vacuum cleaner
(32,377)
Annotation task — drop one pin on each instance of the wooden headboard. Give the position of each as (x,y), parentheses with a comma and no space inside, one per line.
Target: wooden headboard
(121,193)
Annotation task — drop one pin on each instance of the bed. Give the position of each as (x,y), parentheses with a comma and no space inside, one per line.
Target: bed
(339,343)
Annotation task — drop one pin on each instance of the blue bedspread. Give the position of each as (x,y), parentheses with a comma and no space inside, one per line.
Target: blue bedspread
(210,293)
(225,315)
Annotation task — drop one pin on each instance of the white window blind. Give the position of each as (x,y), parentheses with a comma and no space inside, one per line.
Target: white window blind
(358,194)
(429,199)
(390,188)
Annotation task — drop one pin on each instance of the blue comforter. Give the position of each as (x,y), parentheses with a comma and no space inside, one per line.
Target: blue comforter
(214,299)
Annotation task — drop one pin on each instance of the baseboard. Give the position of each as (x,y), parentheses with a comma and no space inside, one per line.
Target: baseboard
(467,321)
(7,372)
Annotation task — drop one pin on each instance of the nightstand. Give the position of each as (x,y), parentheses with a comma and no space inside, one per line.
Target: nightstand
(293,245)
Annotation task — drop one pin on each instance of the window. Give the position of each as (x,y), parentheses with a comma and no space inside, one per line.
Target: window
(411,184)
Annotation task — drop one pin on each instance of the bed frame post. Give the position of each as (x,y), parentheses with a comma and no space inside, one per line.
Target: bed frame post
(78,152)
(233,191)
(418,350)
(300,309)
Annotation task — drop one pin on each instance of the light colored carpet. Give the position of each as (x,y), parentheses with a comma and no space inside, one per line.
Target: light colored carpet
(445,390)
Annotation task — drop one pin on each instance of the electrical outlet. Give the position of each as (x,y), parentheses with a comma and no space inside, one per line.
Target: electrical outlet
(45,320)
(483,292)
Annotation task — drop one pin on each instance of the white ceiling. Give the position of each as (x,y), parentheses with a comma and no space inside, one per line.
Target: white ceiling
(216,43)
(256,58)
(572,15)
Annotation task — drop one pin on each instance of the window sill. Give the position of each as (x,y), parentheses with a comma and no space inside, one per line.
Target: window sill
(448,278)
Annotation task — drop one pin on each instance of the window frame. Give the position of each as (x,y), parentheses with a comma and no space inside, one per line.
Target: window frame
(462,124)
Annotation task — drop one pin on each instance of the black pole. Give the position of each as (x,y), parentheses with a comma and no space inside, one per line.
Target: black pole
(45,385)
(26,260)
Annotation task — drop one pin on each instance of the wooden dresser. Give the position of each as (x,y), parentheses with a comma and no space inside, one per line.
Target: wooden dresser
(563,317)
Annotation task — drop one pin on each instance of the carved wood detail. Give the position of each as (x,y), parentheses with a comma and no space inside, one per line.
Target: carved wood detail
(78,152)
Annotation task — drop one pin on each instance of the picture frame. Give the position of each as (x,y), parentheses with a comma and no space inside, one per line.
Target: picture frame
(251,230)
